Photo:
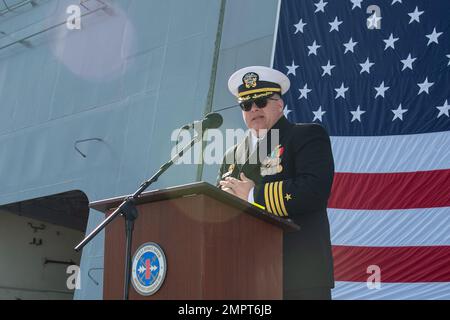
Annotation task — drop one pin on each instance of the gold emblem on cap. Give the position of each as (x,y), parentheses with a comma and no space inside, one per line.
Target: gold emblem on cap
(250,80)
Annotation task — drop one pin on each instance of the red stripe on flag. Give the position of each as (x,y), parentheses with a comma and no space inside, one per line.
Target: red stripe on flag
(387,191)
(397,264)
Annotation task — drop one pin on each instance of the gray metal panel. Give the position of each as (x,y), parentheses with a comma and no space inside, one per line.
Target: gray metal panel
(46,107)
(161,83)
(247,40)
(248,20)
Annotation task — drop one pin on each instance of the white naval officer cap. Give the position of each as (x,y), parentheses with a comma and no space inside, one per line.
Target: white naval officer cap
(257,81)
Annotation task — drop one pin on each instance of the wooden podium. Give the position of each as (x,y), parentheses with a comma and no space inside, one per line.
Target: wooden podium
(216,245)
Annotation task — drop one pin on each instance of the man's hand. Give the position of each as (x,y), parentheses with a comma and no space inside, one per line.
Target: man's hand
(239,188)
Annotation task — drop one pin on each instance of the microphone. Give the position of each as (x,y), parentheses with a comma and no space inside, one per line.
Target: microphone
(211,121)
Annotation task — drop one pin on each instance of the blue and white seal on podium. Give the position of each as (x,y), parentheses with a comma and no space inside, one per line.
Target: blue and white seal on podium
(148,269)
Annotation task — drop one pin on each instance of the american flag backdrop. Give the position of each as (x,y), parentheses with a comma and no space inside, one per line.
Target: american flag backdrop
(376,75)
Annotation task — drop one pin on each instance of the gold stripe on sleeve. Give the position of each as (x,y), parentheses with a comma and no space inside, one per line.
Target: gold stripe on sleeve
(271,202)
(266,197)
(276,195)
(283,207)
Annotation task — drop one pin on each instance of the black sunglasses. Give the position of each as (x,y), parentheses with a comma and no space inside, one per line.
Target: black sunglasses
(259,102)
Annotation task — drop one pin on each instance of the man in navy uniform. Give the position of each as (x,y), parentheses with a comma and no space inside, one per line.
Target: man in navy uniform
(291,179)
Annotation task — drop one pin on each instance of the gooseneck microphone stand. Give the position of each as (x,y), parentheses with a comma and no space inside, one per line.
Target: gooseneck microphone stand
(128,210)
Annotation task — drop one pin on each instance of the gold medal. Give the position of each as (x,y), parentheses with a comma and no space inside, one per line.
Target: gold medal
(229,172)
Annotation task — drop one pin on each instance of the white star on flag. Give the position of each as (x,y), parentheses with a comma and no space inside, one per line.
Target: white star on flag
(407,63)
(350,46)
(304,92)
(381,90)
(415,16)
(341,91)
(299,26)
(390,43)
(398,113)
(444,109)
(320,6)
(357,114)
(448,56)
(395,1)
(356,3)
(366,66)
(291,69)
(313,48)
(286,112)
(433,37)
(424,86)
(327,69)
(335,24)
(319,114)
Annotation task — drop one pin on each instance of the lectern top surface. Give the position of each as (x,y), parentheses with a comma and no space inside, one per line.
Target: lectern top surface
(198,188)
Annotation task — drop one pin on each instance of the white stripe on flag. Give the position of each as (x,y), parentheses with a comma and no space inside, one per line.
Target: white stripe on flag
(390,228)
(392,153)
(392,291)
